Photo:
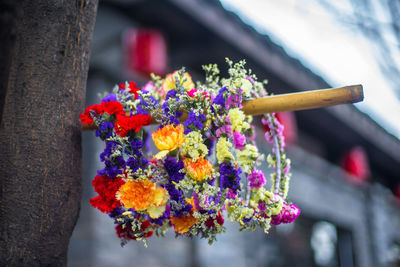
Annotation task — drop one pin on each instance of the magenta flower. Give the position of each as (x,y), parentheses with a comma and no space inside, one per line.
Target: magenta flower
(226,129)
(230,194)
(288,214)
(239,140)
(256,179)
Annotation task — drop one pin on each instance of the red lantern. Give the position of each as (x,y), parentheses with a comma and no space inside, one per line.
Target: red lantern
(355,163)
(145,51)
(397,192)
(288,120)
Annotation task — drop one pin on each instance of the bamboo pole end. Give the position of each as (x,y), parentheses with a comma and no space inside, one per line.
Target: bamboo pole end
(357,93)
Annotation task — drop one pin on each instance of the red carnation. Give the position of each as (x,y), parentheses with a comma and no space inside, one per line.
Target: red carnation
(125,124)
(220,219)
(86,118)
(211,223)
(106,188)
(127,232)
(133,89)
(113,107)
(97,108)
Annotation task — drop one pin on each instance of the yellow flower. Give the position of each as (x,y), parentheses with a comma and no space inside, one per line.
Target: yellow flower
(170,82)
(143,195)
(237,119)
(194,146)
(246,158)
(167,139)
(199,169)
(223,152)
(191,202)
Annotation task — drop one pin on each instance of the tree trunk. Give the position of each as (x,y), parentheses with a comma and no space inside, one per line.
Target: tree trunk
(45,48)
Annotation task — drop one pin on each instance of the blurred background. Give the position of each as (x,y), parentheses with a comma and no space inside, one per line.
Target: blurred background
(346,159)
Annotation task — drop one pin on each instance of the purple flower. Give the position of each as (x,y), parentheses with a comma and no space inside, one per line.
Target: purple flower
(147,142)
(250,79)
(170,93)
(194,122)
(109,98)
(262,206)
(173,168)
(174,118)
(133,163)
(120,161)
(239,140)
(211,146)
(196,201)
(230,194)
(136,144)
(116,212)
(140,110)
(256,179)
(229,176)
(106,126)
(108,150)
(220,99)
(160,220)
(247,220)
(234,100)
(110,170)
(173,192)
(105,130)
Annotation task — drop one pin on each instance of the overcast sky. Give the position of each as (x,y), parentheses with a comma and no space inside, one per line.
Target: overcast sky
(339,54)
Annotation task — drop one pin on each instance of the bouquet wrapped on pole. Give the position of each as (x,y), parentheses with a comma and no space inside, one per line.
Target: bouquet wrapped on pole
(207,168)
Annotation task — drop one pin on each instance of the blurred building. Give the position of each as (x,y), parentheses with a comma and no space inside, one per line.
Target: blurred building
(346,168)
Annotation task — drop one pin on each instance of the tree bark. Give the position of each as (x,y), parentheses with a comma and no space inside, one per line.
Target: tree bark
(42,93)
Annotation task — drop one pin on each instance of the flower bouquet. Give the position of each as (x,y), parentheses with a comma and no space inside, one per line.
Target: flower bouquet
(207,165)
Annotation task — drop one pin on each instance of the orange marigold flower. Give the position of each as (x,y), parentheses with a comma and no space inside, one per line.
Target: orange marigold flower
(143,195)
(191,202)
(167,139)
(199,169)
(183,224)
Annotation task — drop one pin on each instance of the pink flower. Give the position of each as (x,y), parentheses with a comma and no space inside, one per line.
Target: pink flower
(239,140)
(191,92)
(230,194)
(288,214)
(196,201)
(253,136)
(149,87)
(262,207)
(256,179)
(226,129)
(194,90)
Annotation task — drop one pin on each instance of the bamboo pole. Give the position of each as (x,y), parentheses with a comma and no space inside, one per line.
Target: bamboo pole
(304,100)
(297,101)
